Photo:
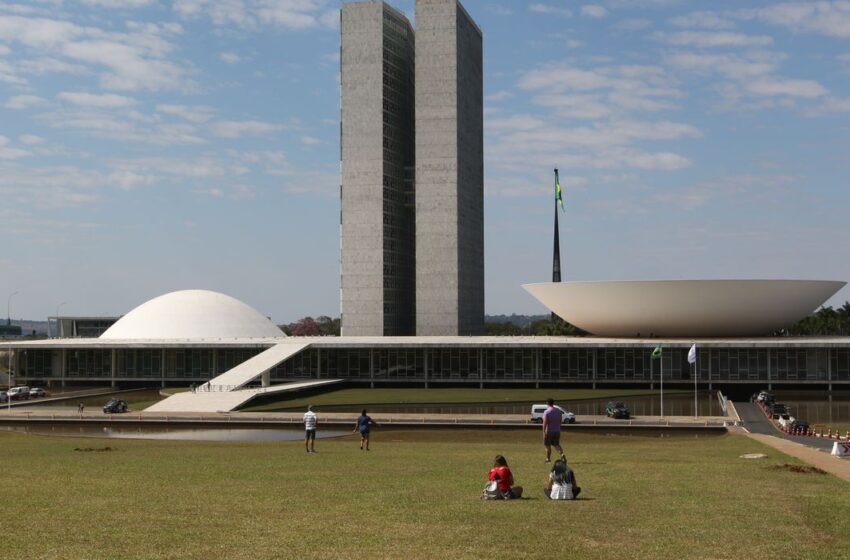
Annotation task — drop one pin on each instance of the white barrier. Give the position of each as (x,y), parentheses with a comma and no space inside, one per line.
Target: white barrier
(841,449)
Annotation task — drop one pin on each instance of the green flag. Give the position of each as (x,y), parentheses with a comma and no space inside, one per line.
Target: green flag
(558,195)
(657,352)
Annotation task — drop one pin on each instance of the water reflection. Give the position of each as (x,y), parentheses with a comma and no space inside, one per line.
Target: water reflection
(817,407)
(165,433)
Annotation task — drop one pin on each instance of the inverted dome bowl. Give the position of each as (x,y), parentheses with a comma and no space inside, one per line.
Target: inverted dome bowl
(684,308)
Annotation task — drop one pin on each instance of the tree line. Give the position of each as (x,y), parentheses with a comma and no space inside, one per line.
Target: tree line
(826,321)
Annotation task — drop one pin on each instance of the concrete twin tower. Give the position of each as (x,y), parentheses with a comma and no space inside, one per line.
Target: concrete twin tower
(412,194)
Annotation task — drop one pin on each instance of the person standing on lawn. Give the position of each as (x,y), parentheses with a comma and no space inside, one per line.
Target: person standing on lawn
(310,423)
(552,419)
(363,425)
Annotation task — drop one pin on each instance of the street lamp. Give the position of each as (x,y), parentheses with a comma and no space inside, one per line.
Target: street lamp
(58,322)
(9,313)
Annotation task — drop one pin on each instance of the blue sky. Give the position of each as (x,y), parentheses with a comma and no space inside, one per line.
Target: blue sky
(154,145)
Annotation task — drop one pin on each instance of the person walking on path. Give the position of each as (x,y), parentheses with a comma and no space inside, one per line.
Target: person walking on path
(81,408)
(552,419)
(363,425)
(310,423)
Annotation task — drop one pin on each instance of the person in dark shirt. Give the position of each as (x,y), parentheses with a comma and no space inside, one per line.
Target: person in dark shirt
(363,425)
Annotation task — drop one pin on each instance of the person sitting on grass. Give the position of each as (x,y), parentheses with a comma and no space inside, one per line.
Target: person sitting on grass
(505,478)
(562,482)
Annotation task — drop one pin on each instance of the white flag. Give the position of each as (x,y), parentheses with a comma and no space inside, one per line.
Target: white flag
(692,354)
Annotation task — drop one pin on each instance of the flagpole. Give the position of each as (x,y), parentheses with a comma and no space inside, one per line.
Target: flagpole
(662,380)
(696,405)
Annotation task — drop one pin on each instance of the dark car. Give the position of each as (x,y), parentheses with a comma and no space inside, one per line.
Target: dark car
(115,406)
(799,426)
(3,396)
(617,410)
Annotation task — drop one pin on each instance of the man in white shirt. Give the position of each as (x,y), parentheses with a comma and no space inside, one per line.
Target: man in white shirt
(310,423)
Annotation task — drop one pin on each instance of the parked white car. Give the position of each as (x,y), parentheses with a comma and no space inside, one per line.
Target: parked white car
(537,411)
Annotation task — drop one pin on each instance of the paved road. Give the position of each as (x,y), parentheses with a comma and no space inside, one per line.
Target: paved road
(755,420)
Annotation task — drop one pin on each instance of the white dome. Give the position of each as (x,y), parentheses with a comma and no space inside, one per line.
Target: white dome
(192,314)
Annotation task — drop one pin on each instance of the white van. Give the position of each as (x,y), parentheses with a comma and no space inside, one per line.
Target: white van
(537,411)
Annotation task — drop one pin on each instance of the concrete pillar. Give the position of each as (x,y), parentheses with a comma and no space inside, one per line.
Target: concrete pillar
(162,366)
(63,360)
(371,368)
(425,362)
(267,378)
(113,365)
(594,367)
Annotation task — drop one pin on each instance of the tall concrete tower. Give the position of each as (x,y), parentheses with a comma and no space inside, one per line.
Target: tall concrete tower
(377,237)
(449,171)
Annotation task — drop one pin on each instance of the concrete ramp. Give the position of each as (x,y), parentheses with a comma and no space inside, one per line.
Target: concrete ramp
(225,392)
(225,401)
(253,368)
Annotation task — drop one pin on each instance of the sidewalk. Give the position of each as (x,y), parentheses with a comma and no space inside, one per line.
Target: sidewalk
(820,459)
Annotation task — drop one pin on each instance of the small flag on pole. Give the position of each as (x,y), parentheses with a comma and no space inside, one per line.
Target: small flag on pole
(692,354)
(657,352)
(558,194)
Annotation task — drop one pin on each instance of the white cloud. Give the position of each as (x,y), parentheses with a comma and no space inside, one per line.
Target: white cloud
(192,113)
(24,101)
(499,96)
(50,187)
(594,11)
(310,140)
(550,10)
(129,180)
(702,20)
(708,39)
(741,188)
(4,50)
(7,152)
(791,88)
(117,3)
(135,58)
(830,18)
(234,192)
(103,100)
(229,57)
(30,139)
(235,129)
(288,14)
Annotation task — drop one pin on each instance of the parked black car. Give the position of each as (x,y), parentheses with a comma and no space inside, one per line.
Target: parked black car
(617,410)
(115,406)
(800,425)
(3,396)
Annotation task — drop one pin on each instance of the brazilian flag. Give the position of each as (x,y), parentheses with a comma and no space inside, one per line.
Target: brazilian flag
(656,353)
(558,195)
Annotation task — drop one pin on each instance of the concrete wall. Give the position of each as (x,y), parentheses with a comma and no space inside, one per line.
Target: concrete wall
(449,171)
(376,236)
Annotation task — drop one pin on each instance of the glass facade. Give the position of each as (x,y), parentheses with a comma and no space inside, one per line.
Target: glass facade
(474,364)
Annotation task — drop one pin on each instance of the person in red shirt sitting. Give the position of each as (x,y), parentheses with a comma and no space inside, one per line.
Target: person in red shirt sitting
(502,474)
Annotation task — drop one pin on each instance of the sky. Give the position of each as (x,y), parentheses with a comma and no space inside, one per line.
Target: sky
(148,146)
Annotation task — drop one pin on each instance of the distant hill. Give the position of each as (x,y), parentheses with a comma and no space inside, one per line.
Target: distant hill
(518,320)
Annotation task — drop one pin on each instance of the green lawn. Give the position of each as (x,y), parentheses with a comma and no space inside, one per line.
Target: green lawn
(415,495)
(446,396)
